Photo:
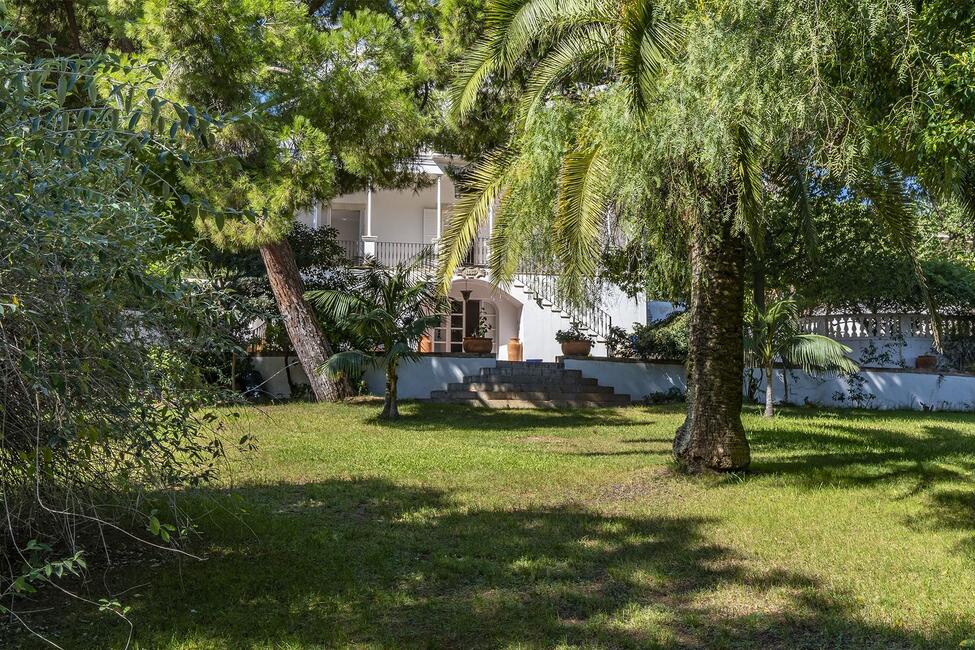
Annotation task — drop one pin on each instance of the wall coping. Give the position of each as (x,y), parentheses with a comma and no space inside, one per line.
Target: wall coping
(663,362)
(680,362)
(461,355)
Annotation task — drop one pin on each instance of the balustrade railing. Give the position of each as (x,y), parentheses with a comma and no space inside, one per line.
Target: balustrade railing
(351,250)
(391,253)
(885,326)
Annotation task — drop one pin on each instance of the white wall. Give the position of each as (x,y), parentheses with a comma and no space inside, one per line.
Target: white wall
(902,354)
(272,368)
(417,379)
(881,388)
(624,310)
(634,378)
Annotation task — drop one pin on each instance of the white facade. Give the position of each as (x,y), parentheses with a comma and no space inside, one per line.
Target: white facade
(397,225)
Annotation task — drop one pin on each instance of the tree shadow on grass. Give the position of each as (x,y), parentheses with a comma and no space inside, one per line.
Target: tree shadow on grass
(378,564)
(427,416)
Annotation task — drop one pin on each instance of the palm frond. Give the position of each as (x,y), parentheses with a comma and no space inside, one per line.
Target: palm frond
(793,182)
(482,188)
(334,304)
(472,72)
(886,189)
(350,363)
(748,179)
(816,354)
(581,211)
(572,52)
(524,22)
(648,42)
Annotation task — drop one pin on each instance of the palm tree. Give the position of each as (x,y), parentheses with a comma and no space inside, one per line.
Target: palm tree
(775,333)
(386,311)
(678,124)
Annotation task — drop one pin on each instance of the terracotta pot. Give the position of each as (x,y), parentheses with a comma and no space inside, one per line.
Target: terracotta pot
(576,348)
(426,344)
(477,344)
(515,349)
(926,362)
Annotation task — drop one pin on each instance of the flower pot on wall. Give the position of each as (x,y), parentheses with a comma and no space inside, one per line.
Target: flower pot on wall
(576,348)
(926,362)
(426,345)
(515,349)
(478,344)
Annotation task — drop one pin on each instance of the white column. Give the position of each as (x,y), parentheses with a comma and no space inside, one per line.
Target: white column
(314,216)
(439,225)
(328,214)
(368,241)
(369,212)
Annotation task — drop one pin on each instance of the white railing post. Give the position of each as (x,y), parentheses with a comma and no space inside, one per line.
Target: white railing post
(368,240)
(439,210)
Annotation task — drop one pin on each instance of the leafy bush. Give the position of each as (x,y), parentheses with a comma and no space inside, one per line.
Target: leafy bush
(100,402)
(619,343)
(662,339)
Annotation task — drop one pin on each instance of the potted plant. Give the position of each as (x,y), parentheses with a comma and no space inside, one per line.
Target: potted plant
(479,342)
(575,341)
(927,361)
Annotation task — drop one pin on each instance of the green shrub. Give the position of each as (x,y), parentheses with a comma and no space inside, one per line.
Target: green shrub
(662,339)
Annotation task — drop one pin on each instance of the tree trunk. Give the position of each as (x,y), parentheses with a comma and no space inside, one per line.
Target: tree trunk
(390,406)
(769,391)
(306,335)
(712,436)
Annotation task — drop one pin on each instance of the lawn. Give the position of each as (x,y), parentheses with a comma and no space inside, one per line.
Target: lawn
(463,528)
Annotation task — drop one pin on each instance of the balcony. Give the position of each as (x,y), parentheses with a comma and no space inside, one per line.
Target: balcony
(391,253)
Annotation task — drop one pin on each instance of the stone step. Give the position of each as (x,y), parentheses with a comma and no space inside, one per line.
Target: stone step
(583,386)
(529,379)
(492,395)
(528,371)
(532,404)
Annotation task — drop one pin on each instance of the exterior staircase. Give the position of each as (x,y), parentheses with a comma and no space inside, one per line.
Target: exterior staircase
(518,385)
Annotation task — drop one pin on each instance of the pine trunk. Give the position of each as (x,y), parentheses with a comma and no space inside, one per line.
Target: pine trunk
(712,436)
(307,338)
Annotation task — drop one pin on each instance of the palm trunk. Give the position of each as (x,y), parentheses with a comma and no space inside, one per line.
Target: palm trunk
(769,390)
(390,406)
(712,436)
(306,335)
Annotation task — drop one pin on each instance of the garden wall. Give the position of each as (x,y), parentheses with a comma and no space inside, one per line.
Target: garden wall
(417,379)
(876,388)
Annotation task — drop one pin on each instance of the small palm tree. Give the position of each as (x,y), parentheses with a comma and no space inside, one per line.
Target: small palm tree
(775,334)
(386,311)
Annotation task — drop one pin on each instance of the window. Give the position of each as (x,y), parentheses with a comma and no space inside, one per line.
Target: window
(461,322)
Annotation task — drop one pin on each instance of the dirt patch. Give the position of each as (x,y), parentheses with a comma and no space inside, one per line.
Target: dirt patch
(654,482)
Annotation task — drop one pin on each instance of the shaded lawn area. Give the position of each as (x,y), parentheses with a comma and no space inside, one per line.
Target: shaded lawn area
(462,528)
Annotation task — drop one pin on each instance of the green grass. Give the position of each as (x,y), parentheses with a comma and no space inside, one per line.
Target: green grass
(463,528)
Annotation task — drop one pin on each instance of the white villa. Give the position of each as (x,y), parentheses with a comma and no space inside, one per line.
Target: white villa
(398,225)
